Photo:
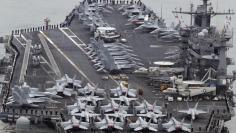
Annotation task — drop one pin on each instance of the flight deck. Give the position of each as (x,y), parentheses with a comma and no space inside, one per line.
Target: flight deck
(67,44)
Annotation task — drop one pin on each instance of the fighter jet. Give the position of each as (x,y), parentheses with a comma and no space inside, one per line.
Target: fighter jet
(124,99)
(136,20)
(86,114)
(70,82)
(88,89)
(65,86)
(112,106)
(75,123)
(59,89)
(167,30)
(26,96)
(141,124)
(122,114)
(91,99)
(149,107)
(79,106)
(123,89)
(174,125)
(149,24)
(108,123)
(193,112)
(152,115)
(132,13)
(170,37)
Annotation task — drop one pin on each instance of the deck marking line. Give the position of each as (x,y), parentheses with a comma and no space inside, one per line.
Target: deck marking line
(67,58)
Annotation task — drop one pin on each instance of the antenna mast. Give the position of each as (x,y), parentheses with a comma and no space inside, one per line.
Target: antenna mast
(203,15)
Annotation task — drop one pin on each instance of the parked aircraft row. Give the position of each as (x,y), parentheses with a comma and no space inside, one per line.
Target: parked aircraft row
(115,114)
(146,20)
(112,56)
(116,117)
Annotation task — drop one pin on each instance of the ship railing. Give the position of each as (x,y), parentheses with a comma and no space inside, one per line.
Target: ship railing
(45,113)
(35,29)
(119,2)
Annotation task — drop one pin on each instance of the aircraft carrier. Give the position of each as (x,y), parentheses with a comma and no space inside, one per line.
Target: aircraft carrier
(127,51)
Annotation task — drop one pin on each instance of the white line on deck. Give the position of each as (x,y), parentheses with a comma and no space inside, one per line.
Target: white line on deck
(72,36)
(67,58)
(16,37)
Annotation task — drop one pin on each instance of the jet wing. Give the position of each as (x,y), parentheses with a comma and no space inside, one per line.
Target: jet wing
(107,108)
(98,98)
(83,91)
(67,125)
(168,124)
(132,93)
(187,125)
(117,126)
(157,110)
(35,100)
(117,99)
(67,92)
(139,107)
(103,127)
(171,129)
(185,111)
(99,90)
(101,124)
(184,128)
(36,95)
(152,127)
(73,111)
(131,99)
(93,115)
(84,125)
(200,112)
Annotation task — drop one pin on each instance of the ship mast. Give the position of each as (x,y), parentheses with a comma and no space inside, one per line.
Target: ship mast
(204,14)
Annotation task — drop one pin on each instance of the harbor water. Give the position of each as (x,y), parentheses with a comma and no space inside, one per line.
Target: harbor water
(18,14)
